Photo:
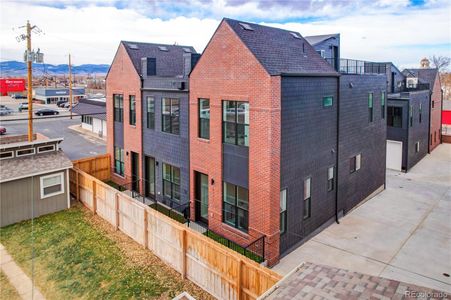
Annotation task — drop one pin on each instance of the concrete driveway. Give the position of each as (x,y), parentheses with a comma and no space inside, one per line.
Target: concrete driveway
(404,233)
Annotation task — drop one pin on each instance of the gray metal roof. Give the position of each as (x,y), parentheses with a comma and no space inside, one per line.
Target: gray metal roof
(95,109)
(281,51)
(316,39)
(169,58)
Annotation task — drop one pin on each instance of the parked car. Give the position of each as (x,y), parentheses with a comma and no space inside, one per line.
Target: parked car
(15,96)
(46,111)
(60,103)
(67,105)
(23,106)
(5,111)
(2,130)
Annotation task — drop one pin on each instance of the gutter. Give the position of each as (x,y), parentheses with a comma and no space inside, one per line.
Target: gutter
(308,74)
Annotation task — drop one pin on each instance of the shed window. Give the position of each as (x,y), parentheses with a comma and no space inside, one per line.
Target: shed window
(10,154)
(47,148)
(52,185)
(25,152)
(86,119)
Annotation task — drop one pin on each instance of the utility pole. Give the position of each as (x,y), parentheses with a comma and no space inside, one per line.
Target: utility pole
(70,88)
(30,83)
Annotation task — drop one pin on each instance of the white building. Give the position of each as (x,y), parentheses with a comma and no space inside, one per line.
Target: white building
(93,115)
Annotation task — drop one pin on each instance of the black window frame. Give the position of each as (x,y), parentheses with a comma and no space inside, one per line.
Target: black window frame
(118,104)
(204,121)
(174,187)
(383,100)
(420,113)
(119,162)
(326,98)
(132,110)
(236,126)
(283,212)
(307,211)
(330,181)
(150,111)
(353,165)
(393,119)
(370,107)
(173,118)
(235,208)
(86,119)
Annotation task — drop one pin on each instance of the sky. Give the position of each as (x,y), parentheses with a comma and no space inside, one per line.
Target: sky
(401,31)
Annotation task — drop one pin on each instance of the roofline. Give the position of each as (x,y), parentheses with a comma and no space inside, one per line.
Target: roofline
(114,57)
(158,44)
(36,174)
(327,74)
(20,144)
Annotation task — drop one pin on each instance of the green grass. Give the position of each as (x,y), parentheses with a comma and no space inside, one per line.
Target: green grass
(7,291)
(75,259)
(115,185)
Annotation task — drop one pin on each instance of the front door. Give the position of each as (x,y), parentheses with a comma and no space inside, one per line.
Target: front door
(135,171)
(201,197)
(149,171)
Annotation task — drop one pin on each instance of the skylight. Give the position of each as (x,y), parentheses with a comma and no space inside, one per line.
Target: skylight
(133,46)
(295,35)
(187,50)
(246,26)
(163,48)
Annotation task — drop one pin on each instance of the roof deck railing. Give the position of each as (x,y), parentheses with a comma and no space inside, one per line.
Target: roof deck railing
(353,66)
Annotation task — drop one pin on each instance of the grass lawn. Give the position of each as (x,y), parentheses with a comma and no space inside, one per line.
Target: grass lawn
(7,291)
(78,255)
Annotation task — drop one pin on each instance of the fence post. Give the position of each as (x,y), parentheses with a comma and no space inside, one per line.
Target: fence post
(238,281)
(145,239)
(184,246)
(94,197)
(116,210)
(78,184)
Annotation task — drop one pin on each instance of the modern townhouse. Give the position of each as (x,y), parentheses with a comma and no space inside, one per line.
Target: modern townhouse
(328,46)
(147,108)
(281,144)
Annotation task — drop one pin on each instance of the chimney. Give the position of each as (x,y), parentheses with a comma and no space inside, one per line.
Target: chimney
(189,61)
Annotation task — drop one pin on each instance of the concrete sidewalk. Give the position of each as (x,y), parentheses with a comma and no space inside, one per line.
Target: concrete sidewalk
(17,277)
(404,233)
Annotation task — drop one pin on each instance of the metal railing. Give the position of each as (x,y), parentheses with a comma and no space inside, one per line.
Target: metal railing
(353,66)
(417,87)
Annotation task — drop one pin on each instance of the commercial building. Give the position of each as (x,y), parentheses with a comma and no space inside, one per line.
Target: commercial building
(10,86)
(34,178)
(49,95)
(93,115)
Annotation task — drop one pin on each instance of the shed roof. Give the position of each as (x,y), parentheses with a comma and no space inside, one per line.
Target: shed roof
(95,109)
(316,39)
(280,51)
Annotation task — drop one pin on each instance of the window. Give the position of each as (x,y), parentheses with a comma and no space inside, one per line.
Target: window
(171,182)
(25,152)
(132,110)
(328,101)
(170,115)
(118,108)
(383,104)
(52,185)
(355,163)
(432,103)
(235,206)
(151,66)
(283,211)
(119,161)
(322,53)
(150,102)
(411,115)
(204,118)
(307,198)
(235,123)
(86,119)
(48,148)
(330,178)
(417,147)
(394,116)
(420,112)
(370,107)
(5,155)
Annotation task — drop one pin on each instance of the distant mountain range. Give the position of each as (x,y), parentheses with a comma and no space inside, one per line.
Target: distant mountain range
(17,68)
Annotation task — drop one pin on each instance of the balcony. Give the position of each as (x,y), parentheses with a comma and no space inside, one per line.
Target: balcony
(352,66)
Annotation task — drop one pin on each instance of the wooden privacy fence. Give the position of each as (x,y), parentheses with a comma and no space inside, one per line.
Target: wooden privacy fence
(220,271)
(97,166)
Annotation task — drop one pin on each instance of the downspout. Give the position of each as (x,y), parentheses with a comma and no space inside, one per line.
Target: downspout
(336,150)
(408,135)
(142,139)
(441,115)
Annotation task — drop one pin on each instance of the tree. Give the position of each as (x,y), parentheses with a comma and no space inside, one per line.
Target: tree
(440,62)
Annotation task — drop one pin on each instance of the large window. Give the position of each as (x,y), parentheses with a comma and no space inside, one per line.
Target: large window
(394,116)
(119,161)
(411,115)
(283,211)
(307,198)
(417,147)
(330,178)
(132,114)
(235,206)
(235,119)
(204,118)
(118,107)
(52,185)
(150,102)
(354,163)
(370,107)
(170,115)
(383,105)
(171,182)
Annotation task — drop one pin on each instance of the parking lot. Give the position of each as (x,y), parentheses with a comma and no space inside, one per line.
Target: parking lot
(13,104)
(404,233)
(76,145)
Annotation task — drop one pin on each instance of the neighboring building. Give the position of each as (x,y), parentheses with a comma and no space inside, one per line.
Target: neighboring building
(328,46)
(408,122)
(147,117)
(446,121)
(272,124)
(428,78)
(49,95)
(93,115)
(34,178)
(395,79)
(10,86)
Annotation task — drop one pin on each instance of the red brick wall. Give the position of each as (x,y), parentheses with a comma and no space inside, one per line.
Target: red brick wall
(227,70)
(436,113)
(123,79)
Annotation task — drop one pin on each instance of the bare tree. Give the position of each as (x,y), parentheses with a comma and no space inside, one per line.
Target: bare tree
(440,62)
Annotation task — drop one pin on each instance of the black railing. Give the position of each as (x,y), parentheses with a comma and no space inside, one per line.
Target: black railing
(417,87)
(353,66)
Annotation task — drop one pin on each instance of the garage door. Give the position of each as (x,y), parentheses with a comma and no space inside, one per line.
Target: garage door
(394,155)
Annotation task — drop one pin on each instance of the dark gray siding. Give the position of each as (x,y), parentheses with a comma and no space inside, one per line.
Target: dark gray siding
(327,46)
(359,136)
(419,131)
(395,79)
(308,144)
(236,165)
(166,147)
(400,134)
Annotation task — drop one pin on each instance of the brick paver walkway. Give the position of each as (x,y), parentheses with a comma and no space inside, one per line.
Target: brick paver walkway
(312,281)
(17,277)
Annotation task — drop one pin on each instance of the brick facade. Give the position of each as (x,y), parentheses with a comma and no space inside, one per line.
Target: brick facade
(227,70)
(436,111)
